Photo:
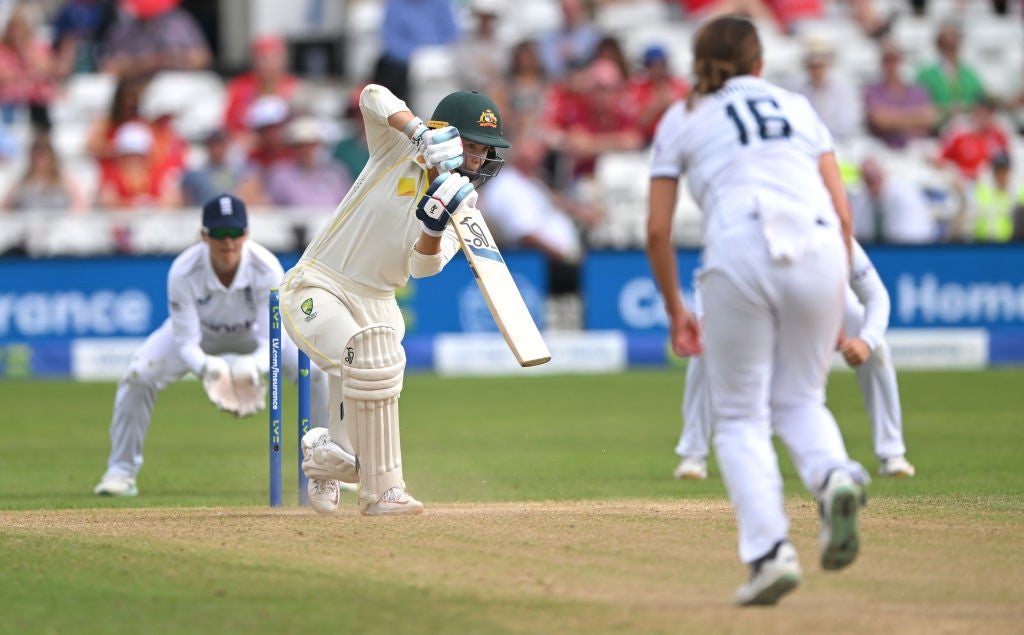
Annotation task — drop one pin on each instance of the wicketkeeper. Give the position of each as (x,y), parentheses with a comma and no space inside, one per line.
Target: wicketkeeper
(218,292)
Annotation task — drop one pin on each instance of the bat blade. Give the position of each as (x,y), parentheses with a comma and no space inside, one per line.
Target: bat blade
(503,298)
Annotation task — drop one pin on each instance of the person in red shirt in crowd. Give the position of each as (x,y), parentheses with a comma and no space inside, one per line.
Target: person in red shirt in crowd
(969,147)
(790,13)
(132,183)
(125,106)
(604,121)
(29,73)
(699,10)
(268,76)
(266,119)
(170,149)
(654,90)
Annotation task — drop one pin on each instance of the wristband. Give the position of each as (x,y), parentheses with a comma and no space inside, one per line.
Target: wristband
(430,232)
(410,130)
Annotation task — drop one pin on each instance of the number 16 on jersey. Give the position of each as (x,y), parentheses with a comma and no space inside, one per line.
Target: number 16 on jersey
(499,289)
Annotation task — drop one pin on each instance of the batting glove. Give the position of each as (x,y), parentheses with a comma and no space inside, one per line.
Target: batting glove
(440,148)
(443,197)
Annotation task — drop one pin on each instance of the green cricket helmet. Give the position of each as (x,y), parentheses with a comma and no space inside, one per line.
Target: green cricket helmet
(477,118)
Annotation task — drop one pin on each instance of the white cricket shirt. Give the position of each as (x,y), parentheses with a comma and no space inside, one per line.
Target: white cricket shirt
(371,235)
(211,319)
(749,147)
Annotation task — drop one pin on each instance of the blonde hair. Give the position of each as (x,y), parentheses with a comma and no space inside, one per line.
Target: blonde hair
(725,47)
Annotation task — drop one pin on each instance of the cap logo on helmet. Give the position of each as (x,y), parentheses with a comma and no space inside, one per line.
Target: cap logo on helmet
(488,119)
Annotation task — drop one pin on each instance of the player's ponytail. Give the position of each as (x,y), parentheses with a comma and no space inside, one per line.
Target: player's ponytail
(725,47)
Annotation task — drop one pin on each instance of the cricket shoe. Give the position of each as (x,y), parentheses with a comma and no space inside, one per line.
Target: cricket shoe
(691,468)
(840,503)
(771,577)
(116,485)
(897,466)
(324,495)
(394,502)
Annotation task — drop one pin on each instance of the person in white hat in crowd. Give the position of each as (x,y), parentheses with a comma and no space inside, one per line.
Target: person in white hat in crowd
(311,177)
(834,96)
(132,182)
(218,291)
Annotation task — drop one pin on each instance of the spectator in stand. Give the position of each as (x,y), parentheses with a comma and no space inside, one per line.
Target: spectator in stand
(610,48)
(524,212)
(995,200)
(653,90)
(521,93)
(219,173)
(834,98)
(896,111)
(132,183)
(151,36)
(406,26)
(45,186)
(792,14)
(954,85)
(78,29)
(564,104)
(353,150)
(605,122)
(170,149)
(29,72)
(480,53)
(702,10)
(575,39)
(887,209)
(125,106)
(312,178)
(968,145)
(268,76)
(266,119)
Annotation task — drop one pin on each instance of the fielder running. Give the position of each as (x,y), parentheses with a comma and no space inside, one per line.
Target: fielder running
(867,316)
(777,232)
(218,292)
(338,303)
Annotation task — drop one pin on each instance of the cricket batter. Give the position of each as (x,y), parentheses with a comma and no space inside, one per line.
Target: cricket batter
(866,317)
(338,302)
(777,234)
(218,292)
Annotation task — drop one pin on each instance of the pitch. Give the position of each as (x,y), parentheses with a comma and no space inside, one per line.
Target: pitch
(550,509)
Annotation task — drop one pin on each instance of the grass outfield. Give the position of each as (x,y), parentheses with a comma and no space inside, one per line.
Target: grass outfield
(550,509)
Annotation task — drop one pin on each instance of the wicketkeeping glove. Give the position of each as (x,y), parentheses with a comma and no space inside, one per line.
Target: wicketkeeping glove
(443,197)
(440,148)
(250,389)
(218,384)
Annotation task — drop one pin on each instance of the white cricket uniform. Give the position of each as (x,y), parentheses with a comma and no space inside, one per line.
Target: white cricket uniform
(866,317)
(773,272)
(206,318)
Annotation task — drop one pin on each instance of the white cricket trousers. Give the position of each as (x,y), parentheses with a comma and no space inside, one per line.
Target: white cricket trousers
(770,329)
(878,385)
(156,365)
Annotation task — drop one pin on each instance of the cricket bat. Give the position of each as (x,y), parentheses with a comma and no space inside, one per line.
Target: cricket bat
(499,289)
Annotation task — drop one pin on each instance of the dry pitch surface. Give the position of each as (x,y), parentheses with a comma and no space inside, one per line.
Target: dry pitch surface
(631,566)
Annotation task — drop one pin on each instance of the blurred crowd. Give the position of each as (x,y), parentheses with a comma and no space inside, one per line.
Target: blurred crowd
(571,96)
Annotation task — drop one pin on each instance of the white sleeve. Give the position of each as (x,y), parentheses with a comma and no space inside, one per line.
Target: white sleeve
(377,103)
(422,266)
(667,159)
(185,322)
(868,287)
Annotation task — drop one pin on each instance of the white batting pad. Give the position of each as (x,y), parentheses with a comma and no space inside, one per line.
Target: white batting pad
(372,376)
